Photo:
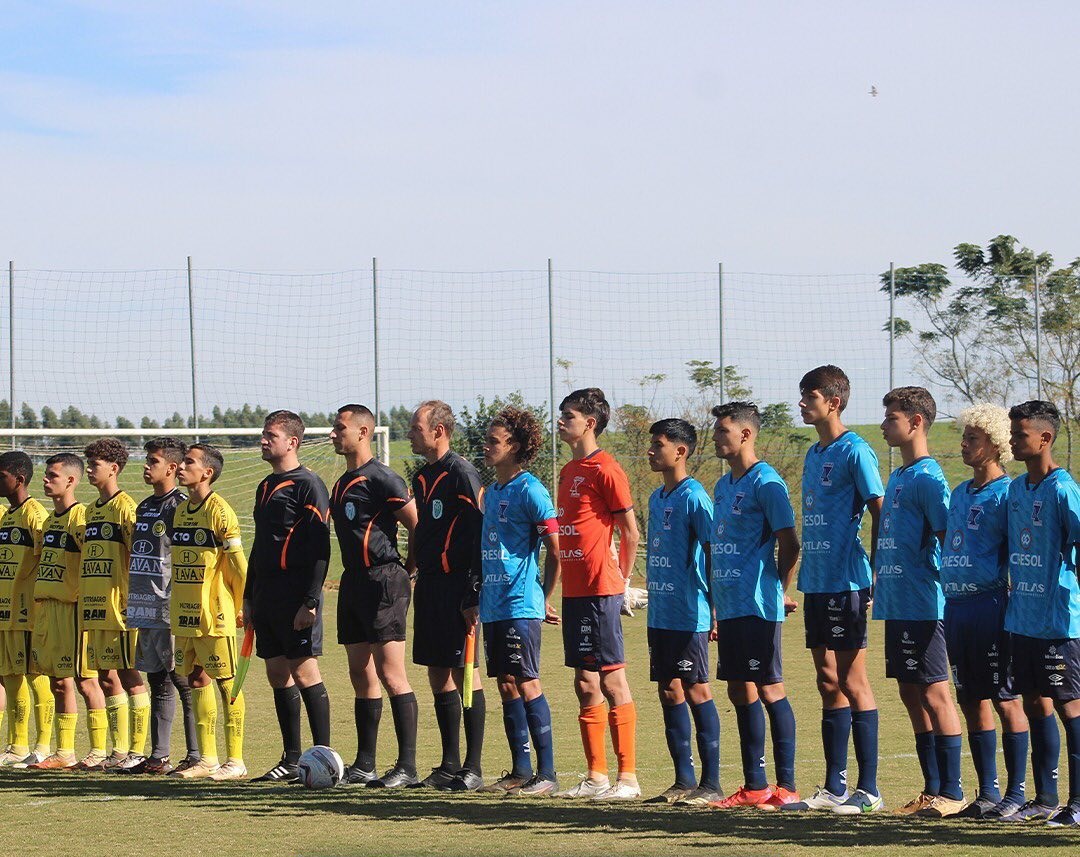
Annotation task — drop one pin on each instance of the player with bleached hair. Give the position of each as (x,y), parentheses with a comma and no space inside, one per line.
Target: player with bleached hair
(975,581)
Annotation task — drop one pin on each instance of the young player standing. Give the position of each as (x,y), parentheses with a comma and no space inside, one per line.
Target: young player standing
(514,601)
(680,523)
(20,547)
(1044,606)
(368,502)
(208,576)
(908,597)
(975,581)
(840,480)
(58,646)
(594,501)
(286,572)
(106,556)
(150,585)
(754,551)
(446,545)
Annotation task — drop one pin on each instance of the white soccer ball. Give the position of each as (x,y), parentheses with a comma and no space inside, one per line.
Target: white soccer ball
(320,768)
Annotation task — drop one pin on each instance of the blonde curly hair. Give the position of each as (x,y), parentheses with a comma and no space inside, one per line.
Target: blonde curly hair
(992,419)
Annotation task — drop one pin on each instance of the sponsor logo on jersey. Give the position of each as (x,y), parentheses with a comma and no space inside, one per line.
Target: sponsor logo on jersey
(808,500)
(6,554)
(143,547)
(886,524)
(189,557)
(106,531)
(200,537)
(1025,538)
(720,527)
(656,541)
(97,568)
(957,540)
(493,536)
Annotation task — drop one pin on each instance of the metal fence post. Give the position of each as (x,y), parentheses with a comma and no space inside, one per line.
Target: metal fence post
(551,380)
(375,333)
(892,339)
(11,344)
(720,335)
(1038,337)
(191,346)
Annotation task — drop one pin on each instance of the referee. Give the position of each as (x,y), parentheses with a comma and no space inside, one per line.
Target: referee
(368,502)
(446,547)
(283,597)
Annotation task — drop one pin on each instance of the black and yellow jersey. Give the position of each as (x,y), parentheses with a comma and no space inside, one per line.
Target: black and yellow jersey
(61,555)
(20,538)
(106,552)
(209,569)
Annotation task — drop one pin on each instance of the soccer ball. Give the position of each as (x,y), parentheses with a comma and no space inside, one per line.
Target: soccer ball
(320,768)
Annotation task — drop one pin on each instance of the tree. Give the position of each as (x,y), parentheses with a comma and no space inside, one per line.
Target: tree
(124,423)
(28,418)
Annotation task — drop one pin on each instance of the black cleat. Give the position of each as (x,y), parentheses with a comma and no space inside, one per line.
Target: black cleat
(465,780)
(439,778)
(356,776)
(395,778)
(280,773)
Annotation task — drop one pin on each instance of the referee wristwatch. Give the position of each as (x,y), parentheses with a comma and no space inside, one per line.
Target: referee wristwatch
(311,603)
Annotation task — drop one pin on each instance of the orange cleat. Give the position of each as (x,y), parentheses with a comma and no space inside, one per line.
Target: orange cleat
(743,797)
(55,762)
(780,796)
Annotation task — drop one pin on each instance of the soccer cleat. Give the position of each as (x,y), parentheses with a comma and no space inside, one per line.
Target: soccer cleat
(702,796)
(141,765)
(133,760)
(357,776)
(821,799)
(941,807)
(31,759)
(185,763)
(56,762)
(231,770)
(93,763)
(621,790)
(465,781)
(1002,809)
(113,761)
(395,778)
(672,794)
(1067,816)
(586,788)
(916,804)
(1031,811)
(439,778)
(537,786)
(977,808)
(508,783)
(743,797)
(780,798)
(861,801)
(280,773)
(199,771)
(9,757)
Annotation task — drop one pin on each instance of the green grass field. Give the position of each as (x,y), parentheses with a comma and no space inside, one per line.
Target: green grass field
(61,812)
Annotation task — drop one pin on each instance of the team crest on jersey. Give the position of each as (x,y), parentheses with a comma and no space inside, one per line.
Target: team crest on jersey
(16,537)
(896,496)
(503,506)
(975,514)
(436,509)
(1036,513)
(575,485)
(200,537)
(826,473)
(1025,538)
(350,510)
(106,531)
(158,529)
(957,540)
(668,512)
(736,503)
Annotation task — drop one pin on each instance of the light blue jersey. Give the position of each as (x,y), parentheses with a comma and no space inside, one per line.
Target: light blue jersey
(975,558)
(907,584)
(679,526)
(838,481)
(1044,534)
(516,515)
(748,513)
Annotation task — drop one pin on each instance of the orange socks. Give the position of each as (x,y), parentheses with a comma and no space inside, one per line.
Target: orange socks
(623,721)
(591,720)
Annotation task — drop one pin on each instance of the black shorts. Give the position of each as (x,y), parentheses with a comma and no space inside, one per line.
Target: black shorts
(438,626)
(1049,668)
(512,647)
(836,620)
(915,651)
(592,633)
(979,647)
(678,654)
(373,604)
(275,637)
(748,649)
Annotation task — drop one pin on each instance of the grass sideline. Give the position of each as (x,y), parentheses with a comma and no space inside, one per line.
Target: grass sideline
(50,811)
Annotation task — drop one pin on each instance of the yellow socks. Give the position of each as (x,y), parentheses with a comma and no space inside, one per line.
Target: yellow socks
(18,694)
(118,713)
(234,720)
(65,733)
(204,703)
(140,721)
(97,724)
(44,712)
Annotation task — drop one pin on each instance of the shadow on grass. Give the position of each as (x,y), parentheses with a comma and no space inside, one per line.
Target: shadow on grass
(630,822)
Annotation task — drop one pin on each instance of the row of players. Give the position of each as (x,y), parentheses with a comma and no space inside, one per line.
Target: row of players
(718,567)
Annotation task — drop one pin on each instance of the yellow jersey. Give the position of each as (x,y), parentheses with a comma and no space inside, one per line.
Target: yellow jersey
(61,555)
(106,553)
(20,539)
(209,569)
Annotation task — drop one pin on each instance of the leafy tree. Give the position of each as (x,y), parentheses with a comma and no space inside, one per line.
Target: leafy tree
(124,423)
(28,419)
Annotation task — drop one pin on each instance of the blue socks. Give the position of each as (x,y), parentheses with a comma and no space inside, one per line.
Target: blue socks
(517,734)
(1015,747)
(984,756)
(1072,747)
(835,731)
(1045,750)
(864,731)
(782,723)
(677,731)
(707,723)
(751,721)
(948,760)
(538,714)
(926,749)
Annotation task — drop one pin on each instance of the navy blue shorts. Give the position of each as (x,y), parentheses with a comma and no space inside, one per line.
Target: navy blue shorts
(748,649)
(915,651)
(592,632)
(1049,668)
(678,654)
(512,647)
(836,620)
(979,647)
(438,624)
(276,638)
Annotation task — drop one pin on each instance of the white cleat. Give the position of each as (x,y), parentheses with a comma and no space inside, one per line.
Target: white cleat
(587,789)
(231,770)
(620,791)
(35,758)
